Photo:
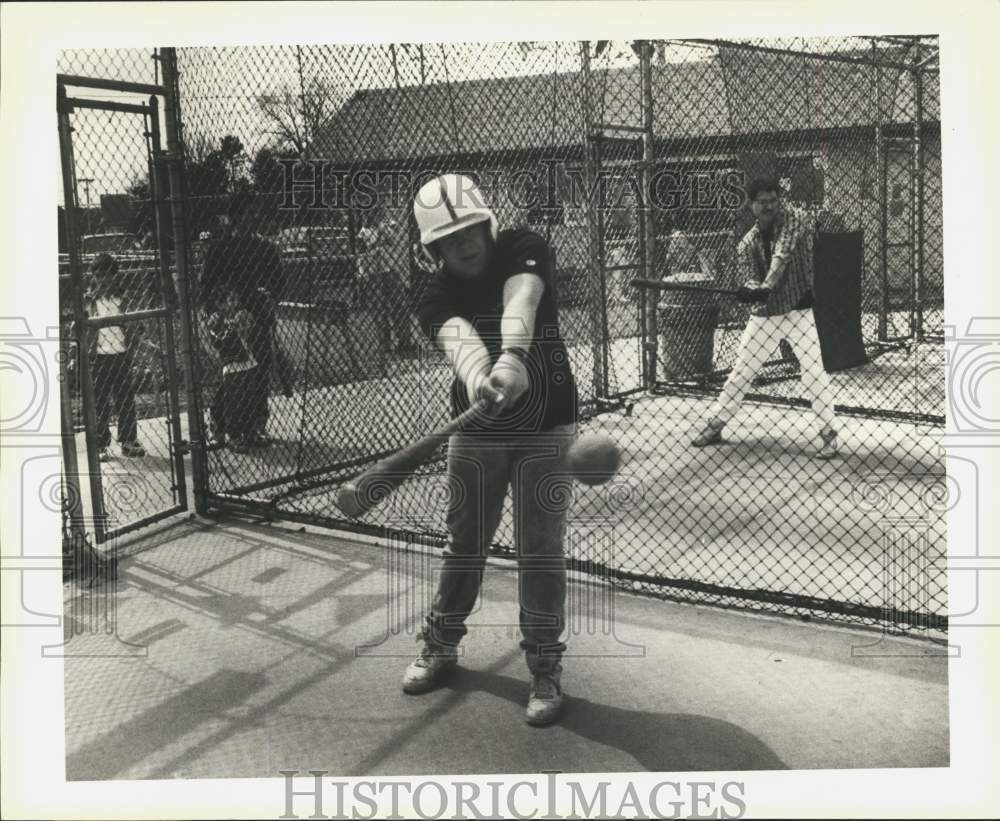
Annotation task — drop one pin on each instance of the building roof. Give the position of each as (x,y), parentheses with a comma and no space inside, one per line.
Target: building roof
(735,92)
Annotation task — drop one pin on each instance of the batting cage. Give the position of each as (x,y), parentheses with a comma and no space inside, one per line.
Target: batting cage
(288,272)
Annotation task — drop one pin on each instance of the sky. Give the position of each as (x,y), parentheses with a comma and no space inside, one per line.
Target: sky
(109,147)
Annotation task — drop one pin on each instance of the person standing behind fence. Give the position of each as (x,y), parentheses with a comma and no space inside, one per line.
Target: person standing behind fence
(389,297)
(776,259)
(250,266)
(112,360)
(230,329)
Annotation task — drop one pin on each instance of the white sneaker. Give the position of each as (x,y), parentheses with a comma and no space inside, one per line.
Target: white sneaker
(433,664)
(545,697)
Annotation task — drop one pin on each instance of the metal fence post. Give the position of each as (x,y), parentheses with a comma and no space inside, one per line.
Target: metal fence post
(648,259)
(882,186)
(186,310)
(598,305)
(156,192)
(918,162)
(72,497)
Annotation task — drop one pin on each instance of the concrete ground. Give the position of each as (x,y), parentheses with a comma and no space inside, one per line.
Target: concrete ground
(238,650)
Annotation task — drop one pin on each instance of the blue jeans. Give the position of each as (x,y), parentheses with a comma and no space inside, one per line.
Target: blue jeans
(480,470)
(114,395)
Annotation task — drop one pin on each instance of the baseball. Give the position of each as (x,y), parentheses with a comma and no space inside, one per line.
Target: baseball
(594,458)
(348,500)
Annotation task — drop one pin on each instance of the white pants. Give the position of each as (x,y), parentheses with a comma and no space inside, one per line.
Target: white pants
(760,338)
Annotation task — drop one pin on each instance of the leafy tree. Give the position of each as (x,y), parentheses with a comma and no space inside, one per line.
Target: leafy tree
(266,174)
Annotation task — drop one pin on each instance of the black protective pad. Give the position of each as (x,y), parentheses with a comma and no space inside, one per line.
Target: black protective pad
(838,261)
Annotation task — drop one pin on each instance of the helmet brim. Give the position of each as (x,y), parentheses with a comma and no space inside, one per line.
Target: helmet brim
(441,231)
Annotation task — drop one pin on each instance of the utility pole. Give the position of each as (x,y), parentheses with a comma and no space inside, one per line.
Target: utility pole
(86,193)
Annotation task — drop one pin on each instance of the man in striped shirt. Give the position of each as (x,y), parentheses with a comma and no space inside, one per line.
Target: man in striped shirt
(776,258)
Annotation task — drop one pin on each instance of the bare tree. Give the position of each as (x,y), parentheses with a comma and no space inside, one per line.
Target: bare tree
(298,114)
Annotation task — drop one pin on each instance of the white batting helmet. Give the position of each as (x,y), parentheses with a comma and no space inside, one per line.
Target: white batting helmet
(448,204)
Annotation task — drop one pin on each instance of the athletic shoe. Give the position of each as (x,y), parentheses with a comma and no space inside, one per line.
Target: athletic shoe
(711,435)
(133,450)
(104,454)
(433,664)
(545,697)
(829,449)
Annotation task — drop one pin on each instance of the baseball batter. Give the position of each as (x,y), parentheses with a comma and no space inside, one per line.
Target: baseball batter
(490,307)
(776,257)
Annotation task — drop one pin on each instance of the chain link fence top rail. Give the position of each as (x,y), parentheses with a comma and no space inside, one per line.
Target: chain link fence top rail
(329,142)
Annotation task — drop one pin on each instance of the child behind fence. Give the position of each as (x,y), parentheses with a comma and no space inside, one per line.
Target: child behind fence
(230,328)
(112,361)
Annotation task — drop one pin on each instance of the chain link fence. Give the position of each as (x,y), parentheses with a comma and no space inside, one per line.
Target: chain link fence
(119,318)
(632,161)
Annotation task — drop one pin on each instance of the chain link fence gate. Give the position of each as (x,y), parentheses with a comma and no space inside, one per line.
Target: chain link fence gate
(322,147)
(120,320)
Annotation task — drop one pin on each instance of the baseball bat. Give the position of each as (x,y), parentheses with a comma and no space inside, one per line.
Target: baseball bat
(359,496)
(678,286)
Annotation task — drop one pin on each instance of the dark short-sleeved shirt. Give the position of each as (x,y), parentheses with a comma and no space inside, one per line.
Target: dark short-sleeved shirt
(249,263)
(552,398)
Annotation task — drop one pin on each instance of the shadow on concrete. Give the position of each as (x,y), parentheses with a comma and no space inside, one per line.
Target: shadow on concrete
(153,730)
(660,742)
